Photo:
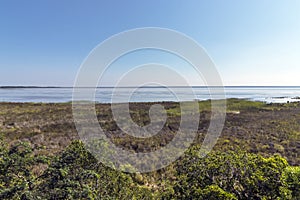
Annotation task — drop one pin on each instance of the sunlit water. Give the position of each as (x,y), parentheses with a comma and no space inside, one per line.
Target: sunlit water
(104,95)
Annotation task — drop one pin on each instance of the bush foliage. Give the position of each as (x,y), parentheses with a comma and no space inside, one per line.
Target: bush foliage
(76,174)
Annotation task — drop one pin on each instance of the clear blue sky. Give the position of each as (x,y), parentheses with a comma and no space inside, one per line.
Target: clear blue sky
(252,42)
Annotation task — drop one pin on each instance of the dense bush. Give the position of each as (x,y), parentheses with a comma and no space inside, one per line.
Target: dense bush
(16,169)
(76,174)
(291,176)
(238,175)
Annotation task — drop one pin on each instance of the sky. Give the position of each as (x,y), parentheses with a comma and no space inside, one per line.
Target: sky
(251,42)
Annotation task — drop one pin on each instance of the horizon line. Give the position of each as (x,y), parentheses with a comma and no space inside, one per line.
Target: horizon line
(174,86)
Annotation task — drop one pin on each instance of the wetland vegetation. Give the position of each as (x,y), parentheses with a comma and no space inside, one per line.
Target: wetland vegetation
(256,156)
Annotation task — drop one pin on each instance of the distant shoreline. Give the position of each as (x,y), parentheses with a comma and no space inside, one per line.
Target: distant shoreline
(296,100)
(194,86)
(57,94)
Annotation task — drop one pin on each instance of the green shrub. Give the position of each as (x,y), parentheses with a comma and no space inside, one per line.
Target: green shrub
(214,192)
(76,174)
(242,174)
(291,176)
(16,163)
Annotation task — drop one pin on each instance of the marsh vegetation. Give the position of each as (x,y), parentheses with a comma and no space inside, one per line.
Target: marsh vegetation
(256,157)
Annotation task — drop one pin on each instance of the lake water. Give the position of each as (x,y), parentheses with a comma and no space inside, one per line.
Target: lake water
(148,94)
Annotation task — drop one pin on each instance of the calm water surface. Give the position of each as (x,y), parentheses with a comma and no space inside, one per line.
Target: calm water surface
(104,95)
